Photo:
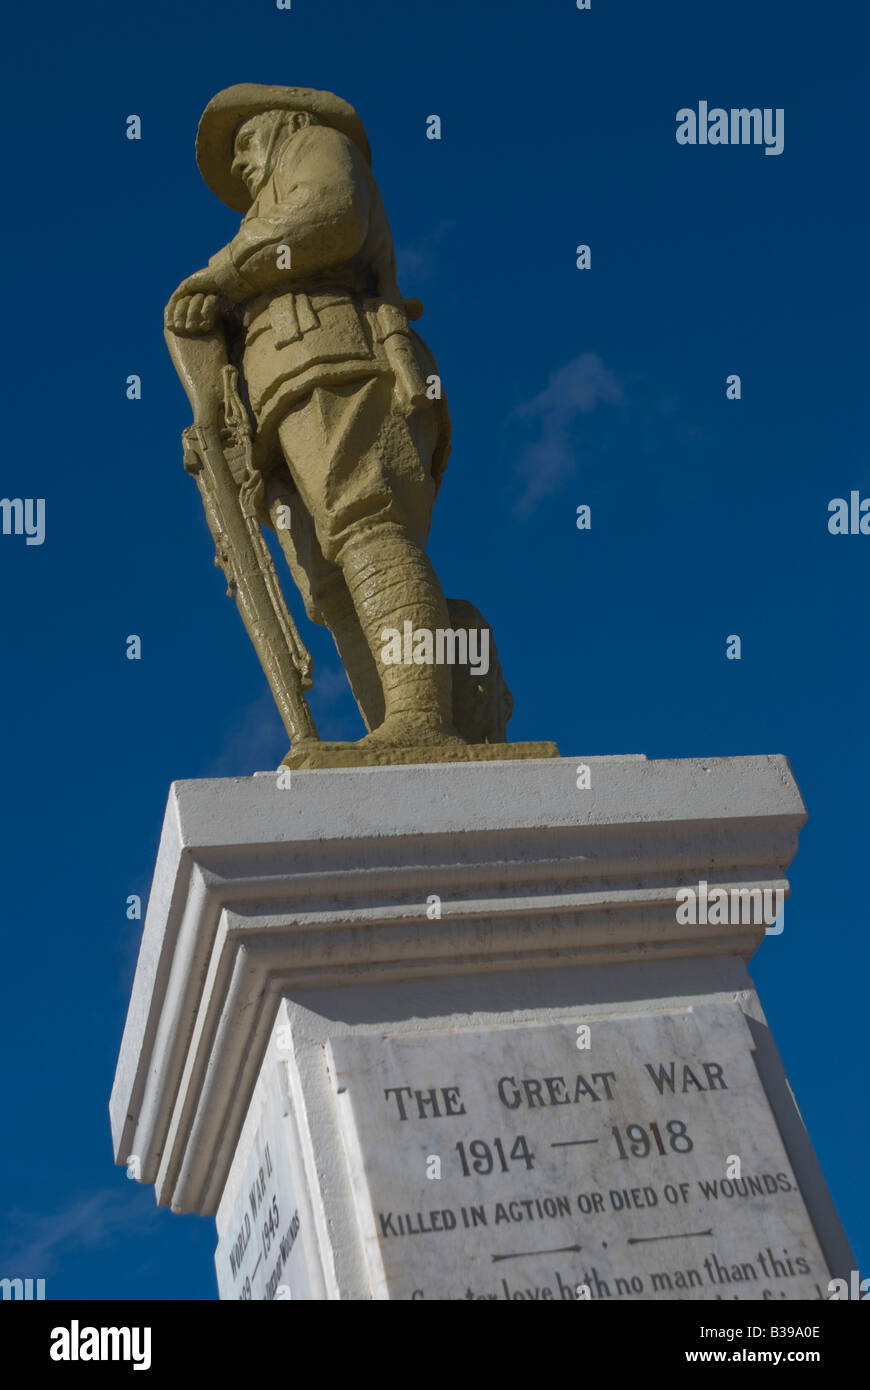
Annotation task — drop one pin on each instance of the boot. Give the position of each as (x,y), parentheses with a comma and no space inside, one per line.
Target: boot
(391,582)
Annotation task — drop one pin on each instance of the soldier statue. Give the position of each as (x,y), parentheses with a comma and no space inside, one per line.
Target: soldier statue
(345,428)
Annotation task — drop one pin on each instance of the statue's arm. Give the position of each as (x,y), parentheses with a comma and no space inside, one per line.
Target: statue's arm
(321,217)
(320,213)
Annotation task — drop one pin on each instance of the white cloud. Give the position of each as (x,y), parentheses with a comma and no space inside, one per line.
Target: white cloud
(415,264)
(575,390)
(257,743)
(92,1222)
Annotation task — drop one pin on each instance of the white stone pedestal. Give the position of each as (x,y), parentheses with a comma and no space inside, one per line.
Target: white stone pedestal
(439,1032)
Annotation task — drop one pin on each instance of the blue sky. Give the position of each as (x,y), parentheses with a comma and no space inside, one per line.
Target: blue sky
(604,387)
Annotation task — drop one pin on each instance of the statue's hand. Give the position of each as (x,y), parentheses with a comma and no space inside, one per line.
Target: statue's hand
(195,305)
(252,498)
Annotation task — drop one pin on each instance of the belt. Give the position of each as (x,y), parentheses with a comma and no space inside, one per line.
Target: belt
(296,293)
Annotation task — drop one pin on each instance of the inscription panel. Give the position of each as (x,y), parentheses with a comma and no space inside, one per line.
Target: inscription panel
(630,1157)
(266,1250)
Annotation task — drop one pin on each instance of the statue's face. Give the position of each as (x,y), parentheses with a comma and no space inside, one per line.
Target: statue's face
(251,150)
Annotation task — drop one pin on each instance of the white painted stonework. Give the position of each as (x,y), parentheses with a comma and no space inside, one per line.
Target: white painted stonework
(309,947)
(268,1250)
(508,1163)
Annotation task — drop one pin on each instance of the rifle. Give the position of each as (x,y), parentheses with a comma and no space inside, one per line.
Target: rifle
(218,452)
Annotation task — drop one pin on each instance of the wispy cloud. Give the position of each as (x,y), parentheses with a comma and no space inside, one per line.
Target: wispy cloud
(571,439)
(417,262)
(258,742)
(333,705)
(91,1222)
(330,684)
(575,390)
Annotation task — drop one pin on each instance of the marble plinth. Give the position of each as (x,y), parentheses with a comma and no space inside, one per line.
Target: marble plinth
(439,1032)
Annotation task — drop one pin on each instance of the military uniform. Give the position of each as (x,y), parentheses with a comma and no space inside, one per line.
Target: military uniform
(336,381)
(317,350)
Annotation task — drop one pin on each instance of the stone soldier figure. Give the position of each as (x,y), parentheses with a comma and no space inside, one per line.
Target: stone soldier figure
(349,444)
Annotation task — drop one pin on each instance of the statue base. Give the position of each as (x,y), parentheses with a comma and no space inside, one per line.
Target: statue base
(441,1033)
(312,755)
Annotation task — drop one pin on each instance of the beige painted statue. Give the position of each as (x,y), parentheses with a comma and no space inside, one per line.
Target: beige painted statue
(318,412)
